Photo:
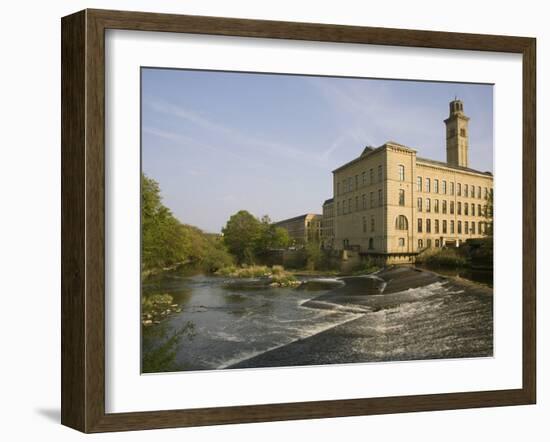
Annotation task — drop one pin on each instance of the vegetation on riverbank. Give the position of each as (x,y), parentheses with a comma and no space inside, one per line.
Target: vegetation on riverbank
(167,243)
(367,266)
(442,257)
(278,276)
(156,307)
(160,346)
(473,253)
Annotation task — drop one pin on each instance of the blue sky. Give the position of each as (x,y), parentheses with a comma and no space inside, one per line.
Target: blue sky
(219,142)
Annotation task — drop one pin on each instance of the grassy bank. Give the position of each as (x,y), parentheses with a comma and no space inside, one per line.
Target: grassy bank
(442,258)
(277,274)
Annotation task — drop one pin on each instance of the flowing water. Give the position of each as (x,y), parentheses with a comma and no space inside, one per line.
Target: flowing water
(235,320)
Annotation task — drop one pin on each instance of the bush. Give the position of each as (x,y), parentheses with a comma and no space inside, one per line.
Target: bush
(244,272)
(442,257)
(366,266)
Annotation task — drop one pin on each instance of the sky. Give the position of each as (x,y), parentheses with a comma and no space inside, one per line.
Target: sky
(218,142)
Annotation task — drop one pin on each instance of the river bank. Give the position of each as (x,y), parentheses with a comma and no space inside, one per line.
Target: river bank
(403,313)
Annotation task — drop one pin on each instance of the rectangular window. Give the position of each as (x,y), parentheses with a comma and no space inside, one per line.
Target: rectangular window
(379,197)
(401,242)
(436,206)
(479,229)
(466,190)
(458,189)
(452,227)
(401,170)
(436,226)
(472,191)
(459,208)
(364,224)
(372,223)
(465,208)
(401,197)
(444,226)
(419,204)
(349,205)
(428,243)
(444,207)
(419,225)
(356,203)
(371,200)
(436,185)
(452,208)
(473,228)
(363,178)
(371,175)
(479,192)
(419,184)
(427,184)
(344,206)
(466,227)
(428,205)
(364,199)
(459,227)
(428,226)
(420,244)
(452,188)
(379,174)
(479,210)
(486,193)
(444,187)
(356,182)
(350,184)
(473,207)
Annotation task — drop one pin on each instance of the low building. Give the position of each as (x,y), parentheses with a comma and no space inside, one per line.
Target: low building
(391,204)
(303,229)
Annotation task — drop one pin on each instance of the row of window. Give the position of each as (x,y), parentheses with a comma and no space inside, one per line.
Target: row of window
(469,227)
(353,204)
(354,182)
(469,190)
(428,243)
(469,209)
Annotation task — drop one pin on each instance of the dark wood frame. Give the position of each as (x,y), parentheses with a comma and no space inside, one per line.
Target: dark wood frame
(83,220)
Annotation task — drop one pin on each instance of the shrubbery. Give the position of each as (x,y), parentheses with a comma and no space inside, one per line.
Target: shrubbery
(446,257)
(167,243)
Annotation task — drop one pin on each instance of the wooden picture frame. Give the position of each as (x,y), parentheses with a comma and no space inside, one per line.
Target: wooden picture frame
(83,220)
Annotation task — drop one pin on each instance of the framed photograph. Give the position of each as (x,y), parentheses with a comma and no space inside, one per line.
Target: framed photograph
(269,220)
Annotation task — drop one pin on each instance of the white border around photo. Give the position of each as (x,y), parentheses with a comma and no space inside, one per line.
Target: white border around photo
(127,390)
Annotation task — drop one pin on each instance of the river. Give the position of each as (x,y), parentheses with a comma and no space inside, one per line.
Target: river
(234,322)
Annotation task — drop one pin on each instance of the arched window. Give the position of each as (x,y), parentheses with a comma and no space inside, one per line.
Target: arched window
(401,170)
(401,223)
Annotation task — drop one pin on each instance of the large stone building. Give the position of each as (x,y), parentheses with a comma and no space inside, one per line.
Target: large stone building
(391,204)
(303,229)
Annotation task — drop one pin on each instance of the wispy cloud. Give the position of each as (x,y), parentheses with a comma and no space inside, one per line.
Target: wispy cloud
(232,135)
(189,142)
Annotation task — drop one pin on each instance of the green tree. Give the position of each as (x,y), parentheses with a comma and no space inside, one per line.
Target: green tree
(162,241)
(167,242)
(241,235)
(271,237)
(314,255)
